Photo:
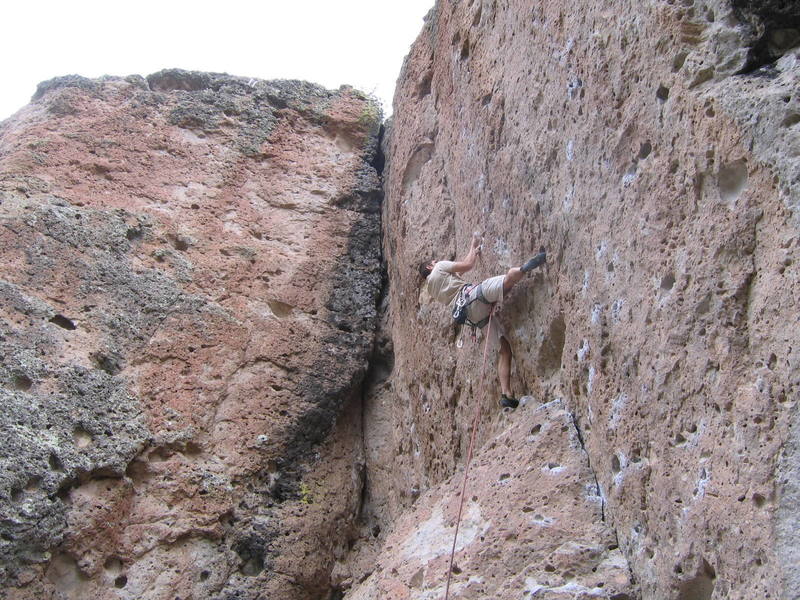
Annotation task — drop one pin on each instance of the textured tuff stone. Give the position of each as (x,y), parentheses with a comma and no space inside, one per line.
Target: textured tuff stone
(191,270)
(532,523)
(658,165)
(189,291)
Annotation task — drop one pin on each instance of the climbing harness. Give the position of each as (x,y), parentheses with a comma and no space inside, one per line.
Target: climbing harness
(461,306)
(469,454)
(461,309)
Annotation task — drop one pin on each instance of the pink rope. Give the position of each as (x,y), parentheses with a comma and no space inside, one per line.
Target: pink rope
(469,454)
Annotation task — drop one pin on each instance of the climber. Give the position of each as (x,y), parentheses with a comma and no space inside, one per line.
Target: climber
(444,284)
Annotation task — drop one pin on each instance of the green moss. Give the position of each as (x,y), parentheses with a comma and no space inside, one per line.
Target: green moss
(39,144)
(305,494)
(371,116)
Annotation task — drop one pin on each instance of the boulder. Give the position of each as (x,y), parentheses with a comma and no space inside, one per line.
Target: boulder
(192,266)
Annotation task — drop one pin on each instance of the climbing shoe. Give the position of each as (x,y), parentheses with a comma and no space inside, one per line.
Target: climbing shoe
(508,401)
(534,262)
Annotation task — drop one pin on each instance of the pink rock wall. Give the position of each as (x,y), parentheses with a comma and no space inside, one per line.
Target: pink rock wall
(657,163)
(191,267)
(532,523)
(191,271)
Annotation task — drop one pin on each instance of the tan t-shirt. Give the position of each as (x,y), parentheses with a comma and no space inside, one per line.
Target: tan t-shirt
(443,285)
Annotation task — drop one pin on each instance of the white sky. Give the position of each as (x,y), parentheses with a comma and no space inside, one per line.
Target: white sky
(331,42)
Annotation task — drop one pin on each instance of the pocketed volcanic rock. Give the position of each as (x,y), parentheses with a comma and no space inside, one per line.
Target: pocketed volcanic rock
(652,148)
(192,313)
(532,524)
(191,270)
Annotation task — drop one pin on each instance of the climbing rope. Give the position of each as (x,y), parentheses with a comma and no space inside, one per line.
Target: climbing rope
(469,455)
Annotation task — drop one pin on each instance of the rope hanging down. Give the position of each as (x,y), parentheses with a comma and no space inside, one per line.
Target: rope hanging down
(469,454)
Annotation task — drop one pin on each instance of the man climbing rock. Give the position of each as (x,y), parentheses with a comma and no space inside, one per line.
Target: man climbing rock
(445,285)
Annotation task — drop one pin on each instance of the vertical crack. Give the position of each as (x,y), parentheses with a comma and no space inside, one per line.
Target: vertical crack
(598,490)
(379,367)
(378,161)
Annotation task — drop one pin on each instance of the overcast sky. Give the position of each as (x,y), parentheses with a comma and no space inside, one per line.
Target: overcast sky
(330,42)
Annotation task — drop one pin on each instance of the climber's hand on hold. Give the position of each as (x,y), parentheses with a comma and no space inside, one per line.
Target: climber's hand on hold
(469,260)
(477,242)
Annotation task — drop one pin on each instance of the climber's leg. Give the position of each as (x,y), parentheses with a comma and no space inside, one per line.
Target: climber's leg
(534,262)
(504,366)
(515,274)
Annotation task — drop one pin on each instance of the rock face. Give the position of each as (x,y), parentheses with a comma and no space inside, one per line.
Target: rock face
(191,270)
(535,518)
(192,274)
(653,149)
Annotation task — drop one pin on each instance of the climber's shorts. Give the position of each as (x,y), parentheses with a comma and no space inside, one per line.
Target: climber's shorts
(490,290)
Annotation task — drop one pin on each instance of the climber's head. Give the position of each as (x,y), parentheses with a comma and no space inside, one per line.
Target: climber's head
(425,268)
